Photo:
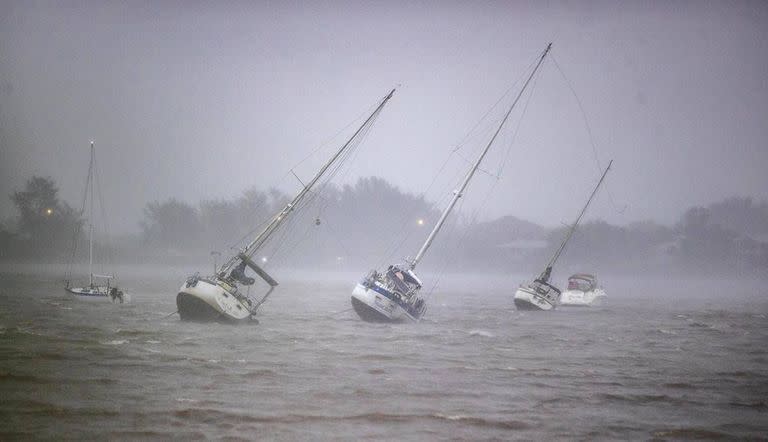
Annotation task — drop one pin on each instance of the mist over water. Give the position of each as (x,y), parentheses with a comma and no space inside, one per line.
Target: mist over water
(208,119)
(666,359)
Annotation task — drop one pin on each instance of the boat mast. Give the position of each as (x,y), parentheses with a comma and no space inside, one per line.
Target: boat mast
(458,193)
(280,217)
(545,275)
(90,222)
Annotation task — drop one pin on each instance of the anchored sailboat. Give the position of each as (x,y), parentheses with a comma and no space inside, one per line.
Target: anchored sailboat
(393,295)
(218,297)
(93,290)
(540,294)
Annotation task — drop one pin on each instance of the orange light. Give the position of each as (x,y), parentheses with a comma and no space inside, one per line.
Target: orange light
(49,211)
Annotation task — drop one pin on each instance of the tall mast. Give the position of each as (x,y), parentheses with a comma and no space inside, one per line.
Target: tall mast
(280,217)
(545,275)
(458,193)
(90,221)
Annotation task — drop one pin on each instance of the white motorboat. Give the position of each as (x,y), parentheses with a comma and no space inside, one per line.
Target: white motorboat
(539,294)
(583,291)
(94,290)
(392,295)
(220,297)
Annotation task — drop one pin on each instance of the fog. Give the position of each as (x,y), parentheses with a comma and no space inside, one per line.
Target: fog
(199,102)
(209,118)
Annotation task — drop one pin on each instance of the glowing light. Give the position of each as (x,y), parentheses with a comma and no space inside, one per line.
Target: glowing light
(338,258)
(48,211)
(263,259)
(420,222)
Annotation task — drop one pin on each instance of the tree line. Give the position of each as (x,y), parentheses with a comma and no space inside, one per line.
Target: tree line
(374,222)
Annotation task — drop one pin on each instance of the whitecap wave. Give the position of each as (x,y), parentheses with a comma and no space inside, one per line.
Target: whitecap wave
(115,342)
(483,333)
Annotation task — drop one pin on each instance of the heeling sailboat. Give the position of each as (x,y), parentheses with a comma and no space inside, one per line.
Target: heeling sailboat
(540,294)
(93,291)
(218,297)
(393,295)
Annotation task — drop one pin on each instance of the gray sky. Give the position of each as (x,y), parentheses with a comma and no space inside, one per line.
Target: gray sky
(198,101)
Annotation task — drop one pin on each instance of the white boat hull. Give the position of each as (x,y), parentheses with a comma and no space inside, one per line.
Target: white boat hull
(578,298)
(96,293)
(205,301)
(527,299)
(373,306)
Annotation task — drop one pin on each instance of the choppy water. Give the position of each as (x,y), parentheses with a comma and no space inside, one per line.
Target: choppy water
(661,361)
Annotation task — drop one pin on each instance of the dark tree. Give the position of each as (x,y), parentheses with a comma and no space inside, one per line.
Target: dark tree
(45,223)
(172,223)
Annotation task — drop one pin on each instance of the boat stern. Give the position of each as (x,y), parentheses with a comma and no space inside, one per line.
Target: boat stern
(371,306)
(203,300)
(527,298)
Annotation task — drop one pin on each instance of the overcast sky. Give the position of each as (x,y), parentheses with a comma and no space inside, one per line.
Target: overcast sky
(197,100)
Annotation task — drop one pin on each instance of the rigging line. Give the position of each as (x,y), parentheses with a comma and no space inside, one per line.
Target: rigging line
(283,253)
(335,236)
(583,115)
(273,244)
(479,169)
(342,167)
(519,123)
(108,247)
(390,252)
(448,259)
(331,315)
(509,89)
(452,256)
(278,251)
(589,133)
(352,152)
(79,225)
(388,255)
(407,218)
(353,149)
(325,143)
(258,226)
(291,170)
(299,179)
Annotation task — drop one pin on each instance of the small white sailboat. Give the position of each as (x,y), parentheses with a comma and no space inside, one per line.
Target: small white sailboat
(94,290)
(583,291)
(392,295)
(219,297)
(539,294)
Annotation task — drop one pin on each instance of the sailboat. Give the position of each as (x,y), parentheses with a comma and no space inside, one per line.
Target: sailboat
(219,297)
(392,295)
(95,290)
(539,294)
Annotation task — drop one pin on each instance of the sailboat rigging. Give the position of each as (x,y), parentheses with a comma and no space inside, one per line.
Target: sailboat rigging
(218,297)
(93,290)
(540,294)
(393,295)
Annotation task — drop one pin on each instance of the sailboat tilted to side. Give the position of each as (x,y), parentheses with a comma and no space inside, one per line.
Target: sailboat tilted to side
(392,295)
(218,297)
(540,294)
